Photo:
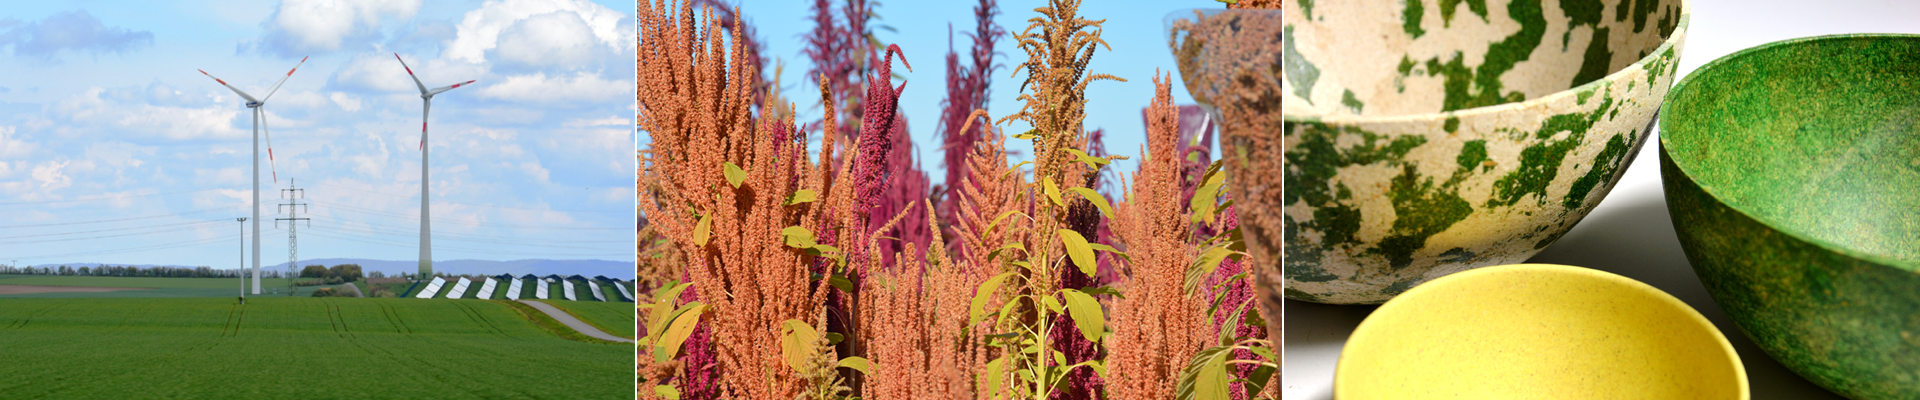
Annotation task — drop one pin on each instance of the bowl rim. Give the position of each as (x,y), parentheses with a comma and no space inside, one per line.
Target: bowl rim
(1660,296)
(1674,39)
(1789,230)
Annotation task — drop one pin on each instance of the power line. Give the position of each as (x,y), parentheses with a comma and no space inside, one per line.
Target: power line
(108,198)
(177,229)
(111,230)
(343,207)
(550,246)
(124,219)
(340,223)
(164,246)
(414,245)
(470,204)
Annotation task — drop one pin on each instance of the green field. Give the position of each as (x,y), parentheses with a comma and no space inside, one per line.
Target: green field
(159,287)
(296,348)
(615,318)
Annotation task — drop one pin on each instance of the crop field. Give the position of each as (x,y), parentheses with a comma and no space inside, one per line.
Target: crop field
(155,287)
(612,317)
(301,347)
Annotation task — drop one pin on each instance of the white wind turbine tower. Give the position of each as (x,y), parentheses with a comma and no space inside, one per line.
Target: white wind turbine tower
(259,126)
(426,98)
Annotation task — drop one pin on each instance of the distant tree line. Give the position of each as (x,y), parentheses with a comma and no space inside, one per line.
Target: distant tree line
(337,274)
(133,271)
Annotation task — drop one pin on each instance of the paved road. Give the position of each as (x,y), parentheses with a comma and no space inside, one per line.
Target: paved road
(571,322)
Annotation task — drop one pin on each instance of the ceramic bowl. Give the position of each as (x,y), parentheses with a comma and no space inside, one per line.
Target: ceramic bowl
(1792,172)
(1421,138)
(1536,331)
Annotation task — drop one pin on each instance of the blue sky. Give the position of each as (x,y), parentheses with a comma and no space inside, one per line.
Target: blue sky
(114,149)
(1133,28)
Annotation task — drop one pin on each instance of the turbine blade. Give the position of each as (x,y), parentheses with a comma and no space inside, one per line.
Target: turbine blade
(269,134)
(448,87)
(229,87)
(283,79)
(416,79)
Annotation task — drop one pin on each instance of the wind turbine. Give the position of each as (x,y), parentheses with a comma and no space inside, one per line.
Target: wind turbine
(259,126)
(426,98)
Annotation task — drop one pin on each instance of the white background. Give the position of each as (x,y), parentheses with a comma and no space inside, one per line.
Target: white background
(1629,233)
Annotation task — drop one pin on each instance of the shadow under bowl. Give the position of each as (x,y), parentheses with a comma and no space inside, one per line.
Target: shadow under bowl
(1537,331)
(1372,146)
(1792,173)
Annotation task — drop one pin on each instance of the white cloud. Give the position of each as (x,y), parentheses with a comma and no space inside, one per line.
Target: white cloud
(345,101)
(11,147)
(554,39)
(380,72)
(326,25)
(608,121)
(50,176)
(534,170)
(169,122)
(580,87)
(481,29)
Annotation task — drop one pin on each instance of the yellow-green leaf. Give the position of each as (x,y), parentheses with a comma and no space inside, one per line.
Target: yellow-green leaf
(1091,161)
(1206,198)
(796,343)
(666,392)
(977,310)
(670,340)
(802,196)
(702,230)
(1079,251)
(1212,381)
(1208,262)
(1052,191)
(797,237)
(1086,314)
(857,363)
(1095,198)
(1052,305)
(735,175)
(994,372)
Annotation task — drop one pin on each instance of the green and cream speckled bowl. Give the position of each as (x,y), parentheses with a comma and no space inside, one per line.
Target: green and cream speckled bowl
(1792,171)
(1424,138)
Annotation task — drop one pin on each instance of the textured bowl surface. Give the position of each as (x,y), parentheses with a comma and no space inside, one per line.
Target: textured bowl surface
(1792,171)
(1535,331)
(1424,138)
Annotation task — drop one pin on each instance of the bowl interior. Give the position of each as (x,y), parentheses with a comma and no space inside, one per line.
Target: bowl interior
(1537,331)
(1818,138)
(1388,58)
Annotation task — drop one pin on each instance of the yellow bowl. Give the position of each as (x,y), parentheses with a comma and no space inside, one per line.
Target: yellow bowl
(1536,331)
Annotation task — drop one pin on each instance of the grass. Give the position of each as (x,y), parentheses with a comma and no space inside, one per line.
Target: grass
(615,318)
(296,348)
(158,287)
(551,325)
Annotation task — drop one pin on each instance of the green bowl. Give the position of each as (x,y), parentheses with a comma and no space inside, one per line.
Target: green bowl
(1416,139)
(1792,172)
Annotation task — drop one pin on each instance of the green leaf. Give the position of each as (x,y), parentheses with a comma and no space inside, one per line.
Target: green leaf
(735,175)
(797,237)
(835,338)
(1029,134)
(977,310)
(1110,250)
(1263,352)
(1086,314)
(1206,199)
(1205,265)
(1205,377)
(1091,161)
(668,345)
(796,343)
(994,374)
(1096,199)
(1259,379)
(702,231)
(857,363)
(1013,245)
(841,282)
(668,392)
(1052,191)
(1052,305)
(1079,251)
(802,196)
(1106,290)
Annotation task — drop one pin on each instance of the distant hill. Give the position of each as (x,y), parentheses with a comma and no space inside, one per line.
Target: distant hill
(589,268)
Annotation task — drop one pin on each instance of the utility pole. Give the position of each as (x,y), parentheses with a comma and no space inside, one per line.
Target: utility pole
(293,207)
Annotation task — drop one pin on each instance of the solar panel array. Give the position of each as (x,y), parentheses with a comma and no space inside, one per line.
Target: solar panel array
(567,286)
(513,290)
(432,288)
(539,290)
(595,291)
(486,289)
(459,288)
(624,294)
